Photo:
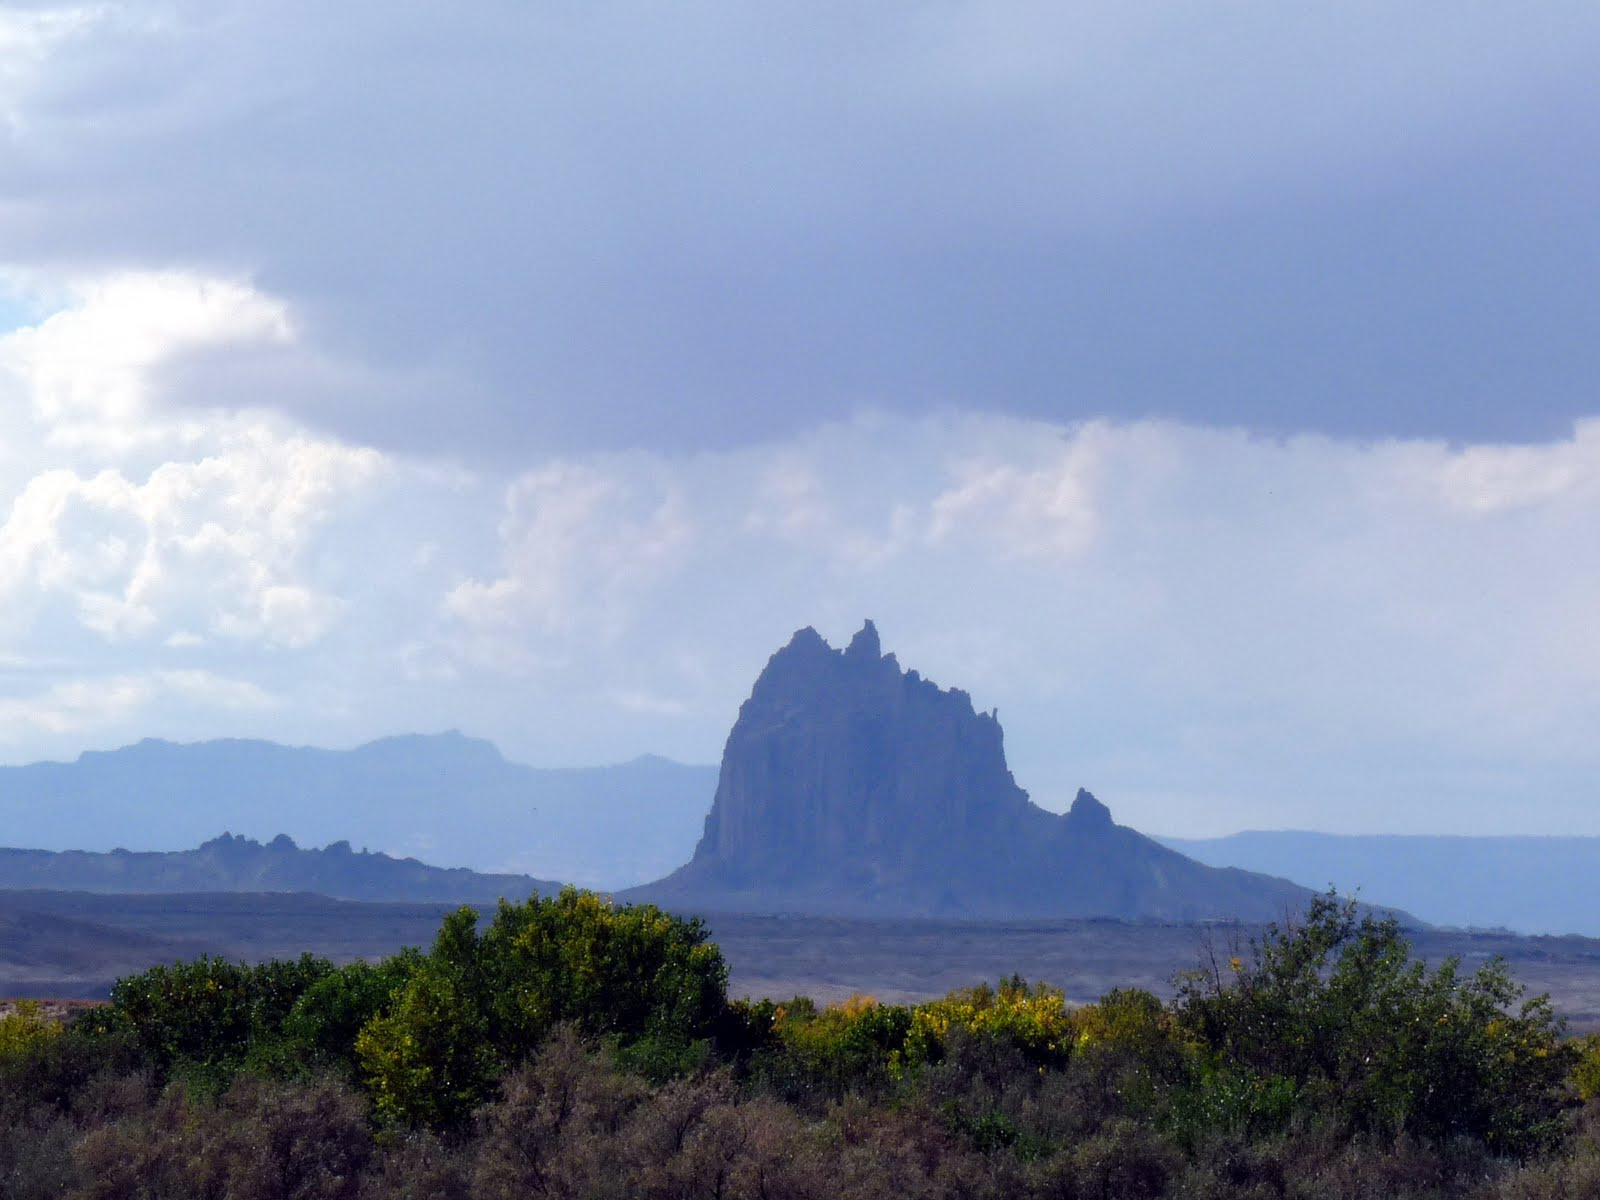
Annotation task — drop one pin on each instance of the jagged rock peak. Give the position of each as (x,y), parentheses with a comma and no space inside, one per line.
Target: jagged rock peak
(839,755)
(865,644)
(1088,813)
(804,640)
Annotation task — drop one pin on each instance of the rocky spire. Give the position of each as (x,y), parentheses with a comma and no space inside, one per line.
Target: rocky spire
(841,753)
(865,645)
(1087,813)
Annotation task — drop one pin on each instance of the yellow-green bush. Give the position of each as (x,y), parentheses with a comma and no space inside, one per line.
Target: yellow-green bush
(26,1026)
(1034,1019)
(1129,1019)
(844,1047)
(1586,1071)
(483,1001)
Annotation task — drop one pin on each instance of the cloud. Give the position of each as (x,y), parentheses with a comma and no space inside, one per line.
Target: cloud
(159,526)
(1045,511)
(89,705)
(1211,627)
(1210,395)
(620,227)
(210,547)
(580,546)
(1489,480)
(1168,612)
(87,369)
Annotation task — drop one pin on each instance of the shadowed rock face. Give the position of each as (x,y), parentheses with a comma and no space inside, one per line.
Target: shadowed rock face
(843,757)
(851,786)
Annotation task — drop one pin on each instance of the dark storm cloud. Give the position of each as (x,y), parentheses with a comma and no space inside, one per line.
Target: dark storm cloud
(705,225)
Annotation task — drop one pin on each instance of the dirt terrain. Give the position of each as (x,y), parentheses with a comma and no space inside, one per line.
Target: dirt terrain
(75,945)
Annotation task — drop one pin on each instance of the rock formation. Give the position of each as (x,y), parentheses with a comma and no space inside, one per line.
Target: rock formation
(851,786)
(231,863)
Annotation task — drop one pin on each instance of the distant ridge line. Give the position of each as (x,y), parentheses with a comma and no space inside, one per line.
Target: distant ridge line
(231,863)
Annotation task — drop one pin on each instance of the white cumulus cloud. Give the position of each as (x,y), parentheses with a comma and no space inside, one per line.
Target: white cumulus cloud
(88,370)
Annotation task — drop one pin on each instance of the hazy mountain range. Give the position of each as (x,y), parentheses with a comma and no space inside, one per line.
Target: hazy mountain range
(454,801)
(444,798)
(231,863)
(1526,884)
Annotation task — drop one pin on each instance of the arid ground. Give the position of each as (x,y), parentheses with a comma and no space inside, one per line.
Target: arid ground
(74,945)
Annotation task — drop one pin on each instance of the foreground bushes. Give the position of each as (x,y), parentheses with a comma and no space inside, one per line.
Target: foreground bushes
(567,1122)
(1334,1009)
(428,1035)
(569,1048)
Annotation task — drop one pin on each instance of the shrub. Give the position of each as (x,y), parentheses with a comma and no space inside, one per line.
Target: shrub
(261,1139)
(1586,1067)
(609,970)
(556,1124)
(36,1156)
(1034,1020)
(269,1139)
(826,1054)
(479,1003)
(25,1027)
(1337,1003)
(320,1030)
(207,1017)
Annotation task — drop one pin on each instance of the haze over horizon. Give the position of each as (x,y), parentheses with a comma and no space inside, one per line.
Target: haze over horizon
(1213,392)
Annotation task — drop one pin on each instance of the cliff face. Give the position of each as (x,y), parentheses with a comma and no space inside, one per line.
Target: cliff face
(850,786)
(841,757)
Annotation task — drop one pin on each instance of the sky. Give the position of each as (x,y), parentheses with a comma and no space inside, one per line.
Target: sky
(1214,389)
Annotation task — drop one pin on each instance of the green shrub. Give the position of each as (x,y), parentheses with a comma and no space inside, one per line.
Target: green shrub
(1222,1098)
(1336,1002)
(320,1030)
(206,1018)
(481,1002)
(428,1060)
(609,970)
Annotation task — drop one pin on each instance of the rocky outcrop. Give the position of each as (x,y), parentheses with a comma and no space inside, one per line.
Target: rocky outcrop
(851,786)
(843,757)
(238,864)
